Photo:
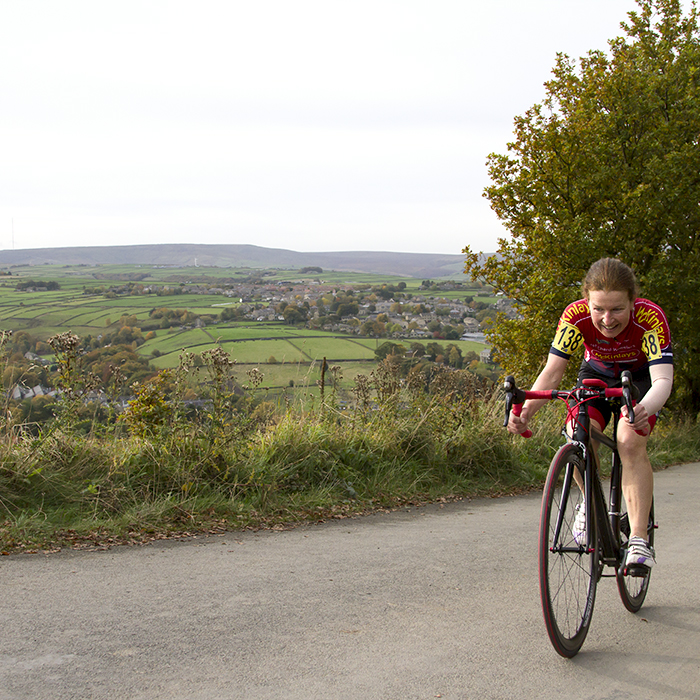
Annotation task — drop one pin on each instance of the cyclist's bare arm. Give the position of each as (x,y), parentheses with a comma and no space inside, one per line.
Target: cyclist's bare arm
(549,378)
(653,401)
(661,385)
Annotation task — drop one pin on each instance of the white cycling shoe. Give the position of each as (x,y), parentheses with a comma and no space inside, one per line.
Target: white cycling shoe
(639,554)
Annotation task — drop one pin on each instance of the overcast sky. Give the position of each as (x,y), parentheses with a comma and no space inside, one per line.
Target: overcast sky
(312,125)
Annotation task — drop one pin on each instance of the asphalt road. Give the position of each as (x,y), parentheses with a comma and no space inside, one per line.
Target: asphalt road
(434,602)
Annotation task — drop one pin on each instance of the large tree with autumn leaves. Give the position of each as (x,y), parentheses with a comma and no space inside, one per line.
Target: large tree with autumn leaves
(608,165)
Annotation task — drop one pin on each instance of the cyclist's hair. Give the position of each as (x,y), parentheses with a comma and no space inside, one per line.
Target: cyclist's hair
(610,275)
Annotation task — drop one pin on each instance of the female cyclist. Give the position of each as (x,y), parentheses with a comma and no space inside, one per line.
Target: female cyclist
(618,331)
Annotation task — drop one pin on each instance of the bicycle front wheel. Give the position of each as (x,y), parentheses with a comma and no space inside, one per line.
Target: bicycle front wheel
(568,568)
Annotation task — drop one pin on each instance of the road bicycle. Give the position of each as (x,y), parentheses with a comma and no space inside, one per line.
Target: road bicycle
(573,558)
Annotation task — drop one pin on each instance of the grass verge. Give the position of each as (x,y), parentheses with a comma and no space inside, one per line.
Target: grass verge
(67,489)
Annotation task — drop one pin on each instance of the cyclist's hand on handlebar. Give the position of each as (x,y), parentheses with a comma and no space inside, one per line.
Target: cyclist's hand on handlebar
(641,418)
(518,424)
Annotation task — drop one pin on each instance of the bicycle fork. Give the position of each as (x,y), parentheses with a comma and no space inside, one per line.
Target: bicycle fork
(599,528)
(557,546)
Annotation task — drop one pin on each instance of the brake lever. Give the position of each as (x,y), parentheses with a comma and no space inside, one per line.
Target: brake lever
(628,394)
(514,402)
(509,386)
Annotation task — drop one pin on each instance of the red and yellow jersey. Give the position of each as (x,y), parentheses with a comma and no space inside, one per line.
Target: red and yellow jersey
(645,341)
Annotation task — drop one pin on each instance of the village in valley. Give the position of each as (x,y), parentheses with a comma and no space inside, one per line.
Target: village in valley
(447,310)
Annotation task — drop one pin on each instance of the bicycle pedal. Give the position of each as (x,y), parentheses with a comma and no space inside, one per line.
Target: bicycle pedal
(636,570)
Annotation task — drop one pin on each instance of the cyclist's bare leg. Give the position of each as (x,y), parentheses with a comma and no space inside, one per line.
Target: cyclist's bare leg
(637,478)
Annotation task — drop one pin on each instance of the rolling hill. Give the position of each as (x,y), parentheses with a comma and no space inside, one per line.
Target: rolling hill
(418,265)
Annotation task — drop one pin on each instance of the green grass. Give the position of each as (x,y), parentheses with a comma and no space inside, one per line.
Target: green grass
(62,490)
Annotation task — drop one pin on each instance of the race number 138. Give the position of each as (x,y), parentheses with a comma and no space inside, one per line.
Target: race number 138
(567,339)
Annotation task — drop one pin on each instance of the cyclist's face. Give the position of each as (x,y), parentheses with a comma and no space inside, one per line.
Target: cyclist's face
(610,311)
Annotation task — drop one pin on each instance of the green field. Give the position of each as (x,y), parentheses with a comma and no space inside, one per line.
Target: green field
(286,354)
(298,353)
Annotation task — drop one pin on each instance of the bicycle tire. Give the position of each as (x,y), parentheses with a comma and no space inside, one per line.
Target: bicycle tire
(632,589)
(568,571)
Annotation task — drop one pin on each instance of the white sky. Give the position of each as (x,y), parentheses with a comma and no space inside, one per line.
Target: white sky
(312,125)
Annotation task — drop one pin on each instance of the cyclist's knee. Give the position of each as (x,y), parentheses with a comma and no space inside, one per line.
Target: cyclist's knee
(631,445)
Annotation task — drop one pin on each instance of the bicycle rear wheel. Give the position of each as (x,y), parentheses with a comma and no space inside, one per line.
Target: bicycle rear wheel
(632,589)
(568,570)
